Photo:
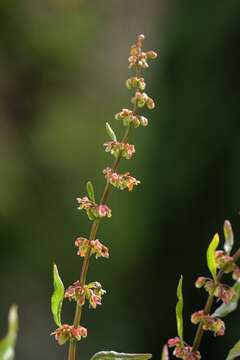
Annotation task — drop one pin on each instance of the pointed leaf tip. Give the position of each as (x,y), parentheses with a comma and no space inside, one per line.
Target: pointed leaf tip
(211,260)
(234,352)
(110,132)
(113,355)
(165,353)
(57,296)
(179,309)
(90,191)
(8,343)
(228,235)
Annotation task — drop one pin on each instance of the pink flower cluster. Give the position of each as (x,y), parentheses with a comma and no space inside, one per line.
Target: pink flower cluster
(128,117)
(93,210)
(221,291)
(209,322)
(121,181)
(75,292)
(69,332)
(92,292)
(115,148)
(134,82)
(183,351)
(141,99)
(226,261)
(96,247)
(139,58)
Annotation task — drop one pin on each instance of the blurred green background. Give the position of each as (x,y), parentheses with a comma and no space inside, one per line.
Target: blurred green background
(63,64)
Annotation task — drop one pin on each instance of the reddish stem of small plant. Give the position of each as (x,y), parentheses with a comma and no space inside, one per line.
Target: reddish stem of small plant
(92,236)
(209,303)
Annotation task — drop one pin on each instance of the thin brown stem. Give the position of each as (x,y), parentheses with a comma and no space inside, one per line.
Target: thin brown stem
(209,303)
(93,233)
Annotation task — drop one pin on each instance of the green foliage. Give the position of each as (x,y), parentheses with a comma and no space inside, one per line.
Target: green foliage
(112,355)
(211,261)
(8,343)
(234,352)
(90,191)
(225,309)
(179,309)
(165,354)
(57,296)
(229,237)
(110,132)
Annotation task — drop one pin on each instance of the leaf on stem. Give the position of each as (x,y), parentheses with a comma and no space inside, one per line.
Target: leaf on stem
(211,260)
(8,343)
(112,355)
(165,354)
(57,296)
(90,191)
(110,132)
(234,352)
(179,309)
(225,309)
(229,237)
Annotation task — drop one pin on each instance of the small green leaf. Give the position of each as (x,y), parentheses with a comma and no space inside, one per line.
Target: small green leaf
(57,296)
(234,352)
(225,309)
(211,260)
(112,355)
(165,353)
(179,309)
(8,343)
(90,191)
(111,132)
(229,237)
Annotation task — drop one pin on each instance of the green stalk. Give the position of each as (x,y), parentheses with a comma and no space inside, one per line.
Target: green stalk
(209,303)
(92,236)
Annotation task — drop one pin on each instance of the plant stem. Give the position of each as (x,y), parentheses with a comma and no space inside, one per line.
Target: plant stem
(92,236)
(208,306)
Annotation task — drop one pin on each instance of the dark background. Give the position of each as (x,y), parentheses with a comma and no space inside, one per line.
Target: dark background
(62,68)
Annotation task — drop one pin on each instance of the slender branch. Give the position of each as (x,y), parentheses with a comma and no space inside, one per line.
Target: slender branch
(92,236)
(209,303)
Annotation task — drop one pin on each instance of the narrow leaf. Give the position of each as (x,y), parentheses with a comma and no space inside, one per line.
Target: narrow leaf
(234,352)
(57,296)
(211,261)
(229,237)
(111,132)
(8,343)
(90,191)
(165,353)
(225,309)
(112,355)
(179,309)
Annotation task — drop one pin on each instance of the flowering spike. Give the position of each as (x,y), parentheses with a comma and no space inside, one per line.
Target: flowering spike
(80,291)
